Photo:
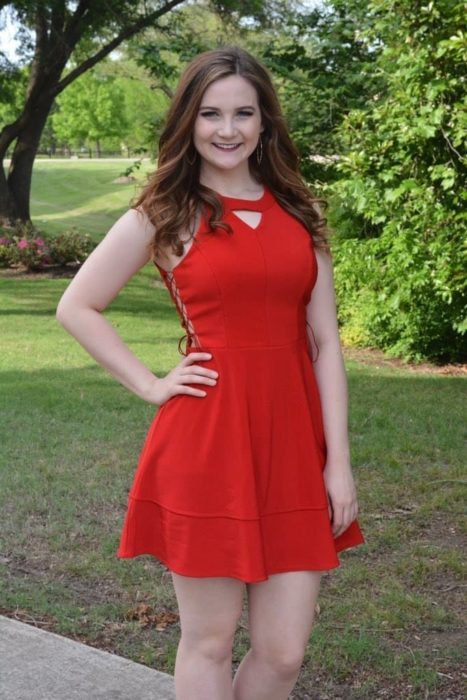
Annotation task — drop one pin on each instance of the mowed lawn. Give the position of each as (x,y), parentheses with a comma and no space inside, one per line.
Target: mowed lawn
(81,193)
(390,617)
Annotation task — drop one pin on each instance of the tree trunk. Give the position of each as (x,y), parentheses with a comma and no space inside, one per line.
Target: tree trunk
(8,205)
(8,209)
(19,177)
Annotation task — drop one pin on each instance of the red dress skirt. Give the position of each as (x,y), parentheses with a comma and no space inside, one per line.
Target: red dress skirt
(231,484)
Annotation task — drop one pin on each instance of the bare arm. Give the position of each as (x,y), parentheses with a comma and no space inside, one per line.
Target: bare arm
(329,367)
(332,381)
(123,252)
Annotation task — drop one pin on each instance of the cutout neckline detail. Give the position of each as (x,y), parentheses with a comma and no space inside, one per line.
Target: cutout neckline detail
(259,205)
(266,201)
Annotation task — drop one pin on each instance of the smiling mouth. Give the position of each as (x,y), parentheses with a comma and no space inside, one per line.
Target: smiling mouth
(227,146)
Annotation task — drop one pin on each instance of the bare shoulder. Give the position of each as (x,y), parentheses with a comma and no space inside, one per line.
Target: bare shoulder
(134,223)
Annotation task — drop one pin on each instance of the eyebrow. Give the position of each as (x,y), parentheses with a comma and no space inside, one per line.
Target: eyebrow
(216,108)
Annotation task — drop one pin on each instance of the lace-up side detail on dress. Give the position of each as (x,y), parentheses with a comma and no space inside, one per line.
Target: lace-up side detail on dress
(192,339)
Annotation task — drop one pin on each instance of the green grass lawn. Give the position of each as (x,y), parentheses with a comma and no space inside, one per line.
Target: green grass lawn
(390,620)
(81,193)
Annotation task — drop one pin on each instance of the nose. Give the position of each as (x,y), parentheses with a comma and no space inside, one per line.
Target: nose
(226,128)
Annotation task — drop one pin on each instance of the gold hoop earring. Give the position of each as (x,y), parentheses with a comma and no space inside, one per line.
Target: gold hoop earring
(259,151)
(191,162)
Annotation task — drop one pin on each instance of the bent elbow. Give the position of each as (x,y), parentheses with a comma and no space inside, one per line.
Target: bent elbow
(63,313)
(60,314)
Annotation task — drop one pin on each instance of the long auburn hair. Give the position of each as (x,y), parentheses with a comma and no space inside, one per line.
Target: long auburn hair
(173,193)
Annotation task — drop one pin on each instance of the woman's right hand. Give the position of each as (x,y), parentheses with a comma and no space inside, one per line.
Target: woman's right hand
(186,372)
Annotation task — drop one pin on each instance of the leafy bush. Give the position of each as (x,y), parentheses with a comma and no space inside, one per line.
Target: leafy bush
(36,251)
(400,278)
(70,247)
(5,250)
(404,293)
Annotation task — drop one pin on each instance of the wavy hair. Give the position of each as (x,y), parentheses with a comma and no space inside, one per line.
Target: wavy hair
(173,193)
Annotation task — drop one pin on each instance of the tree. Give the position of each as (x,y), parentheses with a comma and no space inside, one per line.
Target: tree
(82,32)
(90,111)
(324,69)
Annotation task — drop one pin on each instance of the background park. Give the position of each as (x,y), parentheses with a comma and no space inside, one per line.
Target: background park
(374,95)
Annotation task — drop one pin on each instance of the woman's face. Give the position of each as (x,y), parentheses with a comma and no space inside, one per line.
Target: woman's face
(228,124)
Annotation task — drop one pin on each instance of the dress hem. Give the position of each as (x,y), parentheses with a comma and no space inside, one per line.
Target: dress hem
(245,578)
(249,550)
(223,515)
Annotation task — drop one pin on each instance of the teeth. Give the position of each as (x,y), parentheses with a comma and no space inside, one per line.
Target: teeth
(226,147)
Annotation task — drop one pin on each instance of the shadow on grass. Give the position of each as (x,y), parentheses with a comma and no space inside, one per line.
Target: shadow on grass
(141,297)
(396,411)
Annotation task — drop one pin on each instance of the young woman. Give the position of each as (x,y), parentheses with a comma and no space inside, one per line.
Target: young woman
(245,475)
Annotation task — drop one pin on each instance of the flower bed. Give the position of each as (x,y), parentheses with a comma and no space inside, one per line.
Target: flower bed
(26,247)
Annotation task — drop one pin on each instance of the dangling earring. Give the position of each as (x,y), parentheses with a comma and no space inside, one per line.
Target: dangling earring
(191,162)
(259,151)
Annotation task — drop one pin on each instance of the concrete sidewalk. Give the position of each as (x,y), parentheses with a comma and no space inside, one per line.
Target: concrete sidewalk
(39,665)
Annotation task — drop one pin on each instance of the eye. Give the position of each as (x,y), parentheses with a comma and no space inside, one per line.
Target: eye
(209,113)
(245,113)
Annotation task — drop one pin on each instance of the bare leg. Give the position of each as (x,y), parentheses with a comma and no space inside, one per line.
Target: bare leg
(281,614)
(210,609)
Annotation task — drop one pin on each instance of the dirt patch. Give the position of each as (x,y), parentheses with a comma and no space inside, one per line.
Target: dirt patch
(124,180)
(45,622)
(376,357)
(51,272)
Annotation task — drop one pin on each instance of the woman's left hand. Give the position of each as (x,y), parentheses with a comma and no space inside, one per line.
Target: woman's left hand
(342,495)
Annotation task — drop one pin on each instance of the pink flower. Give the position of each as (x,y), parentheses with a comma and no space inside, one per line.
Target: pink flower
(4,241)
(23,244)
(39,242)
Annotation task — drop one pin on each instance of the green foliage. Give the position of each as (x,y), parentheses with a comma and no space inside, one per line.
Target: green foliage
(70,247)
(13,85)
(318,61)
(323,68)
(400,280)
(404,293)
(113,107)
(128,172)
(89,111)
(183,35)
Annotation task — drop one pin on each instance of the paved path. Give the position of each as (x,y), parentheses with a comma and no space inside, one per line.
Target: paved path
(40,665)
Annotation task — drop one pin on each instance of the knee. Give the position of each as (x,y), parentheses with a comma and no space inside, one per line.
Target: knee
(217,649)
(213,647)
(284,660)
(212,640)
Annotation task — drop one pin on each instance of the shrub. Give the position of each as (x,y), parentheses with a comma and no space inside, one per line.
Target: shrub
(24,245)
(404,293)
(5,250)
(70,247)
(402,254)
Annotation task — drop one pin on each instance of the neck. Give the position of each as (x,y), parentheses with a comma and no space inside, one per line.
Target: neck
(234,183)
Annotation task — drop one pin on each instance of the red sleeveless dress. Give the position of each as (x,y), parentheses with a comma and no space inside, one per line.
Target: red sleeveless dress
(231,484)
